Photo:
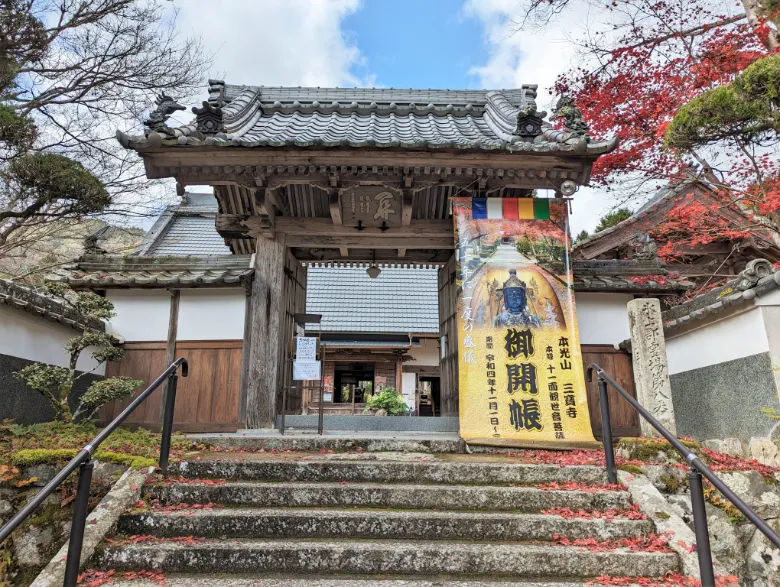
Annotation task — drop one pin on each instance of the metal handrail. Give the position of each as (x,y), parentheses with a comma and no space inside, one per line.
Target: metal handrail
(698,469)
(83,462)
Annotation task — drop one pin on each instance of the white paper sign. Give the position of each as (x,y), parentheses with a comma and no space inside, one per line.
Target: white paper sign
(306,370)
(305,348)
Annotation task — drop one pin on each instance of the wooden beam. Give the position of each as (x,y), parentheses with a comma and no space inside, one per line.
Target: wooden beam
(370,241)
(324,227)
(264,201)
(334,202)
(406,214)
(238,226)
(425,256)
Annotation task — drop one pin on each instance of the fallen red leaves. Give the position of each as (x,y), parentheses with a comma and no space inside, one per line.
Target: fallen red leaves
(576,486)
(631,514)
(723,462)
(156,506)
(672,580)
(93,578)
(648,543)
(144,538)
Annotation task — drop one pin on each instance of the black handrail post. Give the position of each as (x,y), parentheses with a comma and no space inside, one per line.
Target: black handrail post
(79,522)
(167,431)
(284,409)
(606,431)
(703,549)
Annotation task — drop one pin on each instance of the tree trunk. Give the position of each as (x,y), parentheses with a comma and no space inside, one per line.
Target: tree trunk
(758,10)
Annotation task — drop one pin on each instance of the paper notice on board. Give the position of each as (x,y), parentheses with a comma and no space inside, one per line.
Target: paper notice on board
(305,348)
(306,370)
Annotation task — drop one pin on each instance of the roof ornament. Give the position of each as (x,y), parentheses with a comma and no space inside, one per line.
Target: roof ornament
(208,119)
(754,271)
(648,250)
(165,107)
(572,117)
(92,242)
(529,122)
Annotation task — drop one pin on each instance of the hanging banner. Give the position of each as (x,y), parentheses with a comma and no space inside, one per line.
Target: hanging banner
(520,365)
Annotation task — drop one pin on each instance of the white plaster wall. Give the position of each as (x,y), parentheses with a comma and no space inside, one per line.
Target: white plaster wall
(732,338)
(427,354)
(37,339)
(602,317)
(212,314)
(141,315)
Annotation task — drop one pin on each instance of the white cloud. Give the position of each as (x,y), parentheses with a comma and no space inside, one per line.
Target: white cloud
(535,56)
(275,42)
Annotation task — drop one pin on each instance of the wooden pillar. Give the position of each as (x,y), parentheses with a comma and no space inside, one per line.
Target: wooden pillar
(448,332)
(245,355)
(266,354)
(170,348)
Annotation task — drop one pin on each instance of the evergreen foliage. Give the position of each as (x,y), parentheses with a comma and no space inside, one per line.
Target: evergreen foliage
(56,383)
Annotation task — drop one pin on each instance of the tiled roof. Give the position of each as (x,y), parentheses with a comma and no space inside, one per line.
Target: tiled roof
(106,272)
(258,116)
(186,229)
(190,235)
(757,279)
(401,300)
(626,275)
(28,300)
(656,209)
(368,344)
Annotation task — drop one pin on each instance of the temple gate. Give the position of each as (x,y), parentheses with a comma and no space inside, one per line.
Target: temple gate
(315,174)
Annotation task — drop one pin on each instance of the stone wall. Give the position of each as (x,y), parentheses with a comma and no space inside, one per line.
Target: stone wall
(725,400)
(24,405)
(38,539)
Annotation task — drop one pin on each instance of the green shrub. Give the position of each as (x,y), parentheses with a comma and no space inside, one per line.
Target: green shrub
(388,399)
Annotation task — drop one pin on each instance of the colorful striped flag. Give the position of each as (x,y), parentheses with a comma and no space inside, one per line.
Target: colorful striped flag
(510,208)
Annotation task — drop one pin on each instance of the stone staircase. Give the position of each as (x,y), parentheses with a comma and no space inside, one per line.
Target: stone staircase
(386,520)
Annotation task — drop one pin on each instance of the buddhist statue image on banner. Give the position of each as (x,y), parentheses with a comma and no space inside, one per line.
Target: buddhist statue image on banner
(521,377)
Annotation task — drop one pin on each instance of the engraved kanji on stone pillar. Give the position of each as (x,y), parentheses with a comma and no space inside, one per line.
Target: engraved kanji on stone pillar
(651,370)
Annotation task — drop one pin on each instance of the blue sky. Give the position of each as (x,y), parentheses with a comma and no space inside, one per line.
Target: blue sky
(417,44)
(446,44)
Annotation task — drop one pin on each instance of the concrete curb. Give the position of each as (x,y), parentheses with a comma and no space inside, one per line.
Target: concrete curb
(100,522)
(660,511)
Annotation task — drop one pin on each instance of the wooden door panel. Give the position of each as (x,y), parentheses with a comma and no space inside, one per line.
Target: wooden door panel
(206,401)
(617,363)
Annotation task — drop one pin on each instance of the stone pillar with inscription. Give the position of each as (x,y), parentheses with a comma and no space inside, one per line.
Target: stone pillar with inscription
(651,370)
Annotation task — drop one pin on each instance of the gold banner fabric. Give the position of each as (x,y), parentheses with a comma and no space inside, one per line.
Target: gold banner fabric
(519,357)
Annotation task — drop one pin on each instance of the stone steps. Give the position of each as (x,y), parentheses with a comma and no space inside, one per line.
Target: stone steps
(378,495)
(312,470)
(377,524)
(256,580)
(378,519)
(383,557)
(375,442)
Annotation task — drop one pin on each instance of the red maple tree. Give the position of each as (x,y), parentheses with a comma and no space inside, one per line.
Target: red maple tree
(638,68)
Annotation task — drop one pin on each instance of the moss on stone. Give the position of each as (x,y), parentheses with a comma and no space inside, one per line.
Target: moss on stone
(633,469)
(671,484)
(39,456)
(714,498)
(647,450)
(662,515)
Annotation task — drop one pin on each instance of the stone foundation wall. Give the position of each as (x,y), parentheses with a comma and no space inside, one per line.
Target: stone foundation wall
(725,400)
(38,539)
